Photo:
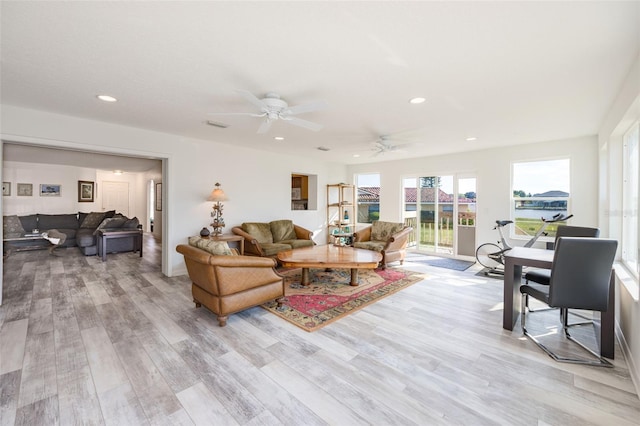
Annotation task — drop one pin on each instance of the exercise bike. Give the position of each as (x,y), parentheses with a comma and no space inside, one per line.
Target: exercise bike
(491,255)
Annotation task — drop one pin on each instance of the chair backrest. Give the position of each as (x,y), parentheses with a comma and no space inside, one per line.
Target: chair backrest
(573,231)
(581,271)
(576,231)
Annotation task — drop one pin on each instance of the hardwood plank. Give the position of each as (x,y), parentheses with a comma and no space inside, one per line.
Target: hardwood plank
(41,316)
(120,406)
(284,405)
(98,294)
(173,368)
(317,400)
(9,389)
(41,412)
(106,368)
(203,406)
(169,329)
(39,370)
(77,397)
(154,394)
(13,339)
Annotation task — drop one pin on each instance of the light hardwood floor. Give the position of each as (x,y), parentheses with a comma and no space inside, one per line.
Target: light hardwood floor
(87,342)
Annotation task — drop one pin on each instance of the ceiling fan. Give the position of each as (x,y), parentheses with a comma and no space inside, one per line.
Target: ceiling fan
(384,144)
(273,108)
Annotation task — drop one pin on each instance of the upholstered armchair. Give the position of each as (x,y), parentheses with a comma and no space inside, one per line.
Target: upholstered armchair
(388,238)
(226,284)
(267,239)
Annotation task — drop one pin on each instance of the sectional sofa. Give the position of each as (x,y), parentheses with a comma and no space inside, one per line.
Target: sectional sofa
(80,228)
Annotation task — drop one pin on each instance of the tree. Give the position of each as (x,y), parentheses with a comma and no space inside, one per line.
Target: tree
(430,182)
(519,193)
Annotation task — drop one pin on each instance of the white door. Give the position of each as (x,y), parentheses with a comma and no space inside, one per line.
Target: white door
(115,196)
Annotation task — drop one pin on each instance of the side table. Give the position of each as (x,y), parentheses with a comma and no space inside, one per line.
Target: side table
(107,234)
(231,237)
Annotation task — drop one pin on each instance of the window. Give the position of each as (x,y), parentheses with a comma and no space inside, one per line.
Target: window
(629,245)
(540,189)
(368,197)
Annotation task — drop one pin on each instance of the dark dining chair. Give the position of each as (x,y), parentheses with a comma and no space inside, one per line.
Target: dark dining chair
(580,279)
(542,276)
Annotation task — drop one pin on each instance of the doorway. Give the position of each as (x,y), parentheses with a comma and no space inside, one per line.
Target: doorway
(441,209)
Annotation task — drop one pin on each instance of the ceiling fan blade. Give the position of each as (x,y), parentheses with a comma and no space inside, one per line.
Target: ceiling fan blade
(265,126)
(252,98)
(303,123)
(252,114)
(299,109)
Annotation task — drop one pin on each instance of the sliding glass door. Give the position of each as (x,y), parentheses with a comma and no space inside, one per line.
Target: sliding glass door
(442,211)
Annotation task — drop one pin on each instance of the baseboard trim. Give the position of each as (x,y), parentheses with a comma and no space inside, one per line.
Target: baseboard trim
(626,351)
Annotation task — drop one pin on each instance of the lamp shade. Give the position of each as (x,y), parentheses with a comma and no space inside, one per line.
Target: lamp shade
(217,194)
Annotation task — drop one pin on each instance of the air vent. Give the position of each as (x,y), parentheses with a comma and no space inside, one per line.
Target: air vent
(323,148)
(216,124)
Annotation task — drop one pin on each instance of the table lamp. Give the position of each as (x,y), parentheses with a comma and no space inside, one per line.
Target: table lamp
(217,196)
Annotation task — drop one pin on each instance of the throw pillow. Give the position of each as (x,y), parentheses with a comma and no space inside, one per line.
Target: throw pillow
(92,220)
(218,248)
(282,230)
(109,223)
(258,230)
(131,223)
(12,225)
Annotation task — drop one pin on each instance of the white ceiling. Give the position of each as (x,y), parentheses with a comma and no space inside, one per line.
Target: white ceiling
(504,72)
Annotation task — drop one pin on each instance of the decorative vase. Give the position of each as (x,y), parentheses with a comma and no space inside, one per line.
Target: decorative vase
(204,232)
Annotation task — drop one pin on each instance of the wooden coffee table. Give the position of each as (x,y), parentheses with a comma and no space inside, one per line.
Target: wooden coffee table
(329,256)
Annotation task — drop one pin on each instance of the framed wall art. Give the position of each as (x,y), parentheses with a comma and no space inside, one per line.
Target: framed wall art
(25,189)
(6,188)
(50,189)
(86,191)
(158,197)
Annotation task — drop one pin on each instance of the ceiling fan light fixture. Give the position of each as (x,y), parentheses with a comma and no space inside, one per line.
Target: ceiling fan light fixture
(417,100)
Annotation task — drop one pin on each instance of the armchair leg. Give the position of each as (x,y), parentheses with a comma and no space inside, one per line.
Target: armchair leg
(222,320)
(198,304)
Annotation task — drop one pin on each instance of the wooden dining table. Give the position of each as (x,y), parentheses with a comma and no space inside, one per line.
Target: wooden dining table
(518,257)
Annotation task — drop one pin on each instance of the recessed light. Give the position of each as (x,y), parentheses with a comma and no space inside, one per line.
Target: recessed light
(323,148)
(471,138)
(356,155)
(106,98)
(416,101)
(117,172)
(279,138)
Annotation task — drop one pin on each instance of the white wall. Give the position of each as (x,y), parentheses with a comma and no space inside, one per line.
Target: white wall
(624,111)
(36,174)
(258,183)
(492,168)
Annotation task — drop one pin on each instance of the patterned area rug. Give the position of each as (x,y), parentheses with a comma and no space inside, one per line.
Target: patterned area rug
(329,297)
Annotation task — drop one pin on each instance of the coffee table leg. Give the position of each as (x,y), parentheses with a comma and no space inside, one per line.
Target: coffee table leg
(354,277)
(305,276)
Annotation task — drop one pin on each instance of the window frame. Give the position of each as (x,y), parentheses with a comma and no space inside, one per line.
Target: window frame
(630,220)
(514,199)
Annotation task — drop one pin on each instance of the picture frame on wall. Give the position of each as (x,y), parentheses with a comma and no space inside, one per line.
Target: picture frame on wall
(25,190)
(86,191)
(158,197)
(6,188)
(50,190)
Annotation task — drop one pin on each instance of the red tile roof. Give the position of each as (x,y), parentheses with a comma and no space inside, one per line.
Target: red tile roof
(371,194)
